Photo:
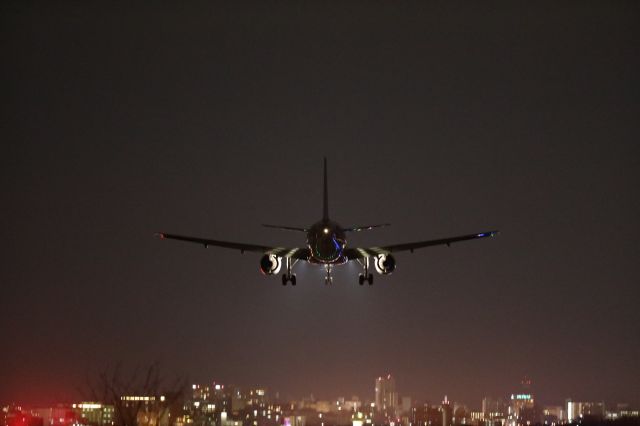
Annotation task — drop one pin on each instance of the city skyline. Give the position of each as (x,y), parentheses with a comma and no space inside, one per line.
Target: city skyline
(384,393)
(147,402)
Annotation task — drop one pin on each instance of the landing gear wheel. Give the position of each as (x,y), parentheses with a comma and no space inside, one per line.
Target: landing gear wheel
(327,278)
(293,280)
(370,279)
(361,279)
(284,279)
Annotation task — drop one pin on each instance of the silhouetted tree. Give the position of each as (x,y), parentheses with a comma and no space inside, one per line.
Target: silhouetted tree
(140,398)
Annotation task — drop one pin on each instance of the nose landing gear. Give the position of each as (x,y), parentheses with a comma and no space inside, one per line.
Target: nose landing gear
(327,279)
(368,278)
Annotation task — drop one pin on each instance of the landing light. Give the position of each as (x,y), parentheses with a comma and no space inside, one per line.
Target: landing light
(326,230)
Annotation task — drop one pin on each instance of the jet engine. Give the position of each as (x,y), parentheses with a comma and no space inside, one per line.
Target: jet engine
(385,264)
(270,264)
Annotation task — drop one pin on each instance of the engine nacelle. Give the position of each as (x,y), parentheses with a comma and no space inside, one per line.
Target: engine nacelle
(270,264)
(384,263)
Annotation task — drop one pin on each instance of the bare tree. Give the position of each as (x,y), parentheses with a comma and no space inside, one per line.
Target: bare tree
(140,398)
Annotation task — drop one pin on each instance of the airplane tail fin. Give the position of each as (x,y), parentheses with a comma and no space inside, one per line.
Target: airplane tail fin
(325,204)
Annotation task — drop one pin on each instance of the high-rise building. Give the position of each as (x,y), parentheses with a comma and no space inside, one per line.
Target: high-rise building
(447,412)
(522,408)
(386,395)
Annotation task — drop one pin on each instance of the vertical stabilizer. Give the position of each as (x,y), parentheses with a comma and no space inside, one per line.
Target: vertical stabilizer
(325,202)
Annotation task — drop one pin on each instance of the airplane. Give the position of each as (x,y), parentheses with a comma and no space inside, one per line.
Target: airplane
(327,246)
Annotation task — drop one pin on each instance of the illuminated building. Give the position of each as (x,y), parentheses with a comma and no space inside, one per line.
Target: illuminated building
(361,419)
(553,414)
(460,414)
(13,415)
(386,395)
(207,404)
(60,415)
(220,405)
(351,405)
(419,415)
(493,409)
(294,421)
(447,412)
(578,410)
(522,408)
(95,414)
(622,411)
(426,415)
(143,410)
(241,399)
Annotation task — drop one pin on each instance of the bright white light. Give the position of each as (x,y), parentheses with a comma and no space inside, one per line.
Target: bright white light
(326,230)
(89,406)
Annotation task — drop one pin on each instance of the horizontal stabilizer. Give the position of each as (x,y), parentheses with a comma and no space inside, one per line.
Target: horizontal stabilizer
(286,228)
(364,227)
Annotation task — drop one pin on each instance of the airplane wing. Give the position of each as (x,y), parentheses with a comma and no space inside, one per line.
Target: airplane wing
(364,227)
(362,252)
(294,253)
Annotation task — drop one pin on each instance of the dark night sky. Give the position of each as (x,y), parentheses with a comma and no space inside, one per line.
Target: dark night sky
(209,120)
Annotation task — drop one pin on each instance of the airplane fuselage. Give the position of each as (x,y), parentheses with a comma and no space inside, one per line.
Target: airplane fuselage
(326,241)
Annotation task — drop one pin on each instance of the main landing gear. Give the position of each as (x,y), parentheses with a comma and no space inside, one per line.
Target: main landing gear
(288,276)
(365,276)
(327,279)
